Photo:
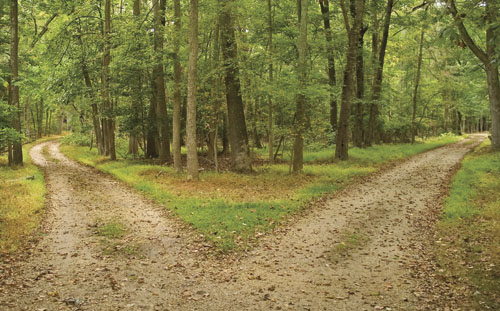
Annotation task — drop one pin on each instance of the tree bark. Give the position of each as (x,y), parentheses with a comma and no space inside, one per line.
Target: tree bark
(270,134)
(237,129)
(152,130)
(108,119)
(192,156)
(17,147)
(176,122)
(417,84)
(342,146)
(357,135)
(161,102)
(332,80)
(378,75)
(300,112)
(133,146)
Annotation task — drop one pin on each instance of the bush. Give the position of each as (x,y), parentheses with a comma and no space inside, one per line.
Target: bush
(76,139)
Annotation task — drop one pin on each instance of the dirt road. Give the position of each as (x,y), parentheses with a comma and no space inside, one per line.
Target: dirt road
(354,253)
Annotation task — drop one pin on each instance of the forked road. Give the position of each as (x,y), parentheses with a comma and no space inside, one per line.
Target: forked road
(156,265)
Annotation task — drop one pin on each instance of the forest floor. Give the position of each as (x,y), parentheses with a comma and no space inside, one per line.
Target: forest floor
(106,247)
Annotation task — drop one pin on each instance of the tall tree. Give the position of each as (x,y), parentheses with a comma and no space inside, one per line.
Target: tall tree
(16,156)
(176,120)
(237,129)
(159,81)
(133,147)
(489,58)
(417,84)
(353,33)
(108,120)
(332,81)
(378,74)
(271,79)
(192,156)
(300,112)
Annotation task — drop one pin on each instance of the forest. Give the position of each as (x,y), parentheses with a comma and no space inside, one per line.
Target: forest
(243,120)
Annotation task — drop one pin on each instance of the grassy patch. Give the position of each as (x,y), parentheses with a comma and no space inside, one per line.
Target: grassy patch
(114,242)
(112,230)
(468,248)
(231,210)
(348,243)
(21,202)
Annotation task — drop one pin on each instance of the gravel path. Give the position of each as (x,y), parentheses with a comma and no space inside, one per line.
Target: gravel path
(353,253)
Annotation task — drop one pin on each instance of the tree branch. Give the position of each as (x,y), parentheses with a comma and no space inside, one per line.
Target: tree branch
(43,31)
(452,8)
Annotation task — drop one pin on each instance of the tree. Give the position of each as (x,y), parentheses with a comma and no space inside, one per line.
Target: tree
(489,58)
(192,157)
(300,112)
(271,78)
(137,89)
(417,84)
(238,136)
(176,120)
(353,32)
(16,157)
(378,73)
(108,121)
(332,81)
(159,82)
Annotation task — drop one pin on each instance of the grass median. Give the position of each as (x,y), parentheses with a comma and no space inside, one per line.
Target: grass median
(232,210)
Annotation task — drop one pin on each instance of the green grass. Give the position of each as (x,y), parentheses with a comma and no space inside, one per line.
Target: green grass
(349,242)
(21,202)
(231,210)
(112,230)
(469,232)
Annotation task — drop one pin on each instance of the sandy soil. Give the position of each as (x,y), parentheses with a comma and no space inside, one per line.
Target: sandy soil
(358,251)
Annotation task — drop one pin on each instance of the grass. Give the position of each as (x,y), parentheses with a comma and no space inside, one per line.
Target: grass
(21,202)
(468,248)
(232,210)
(112,230)
(113,242)
(349,242)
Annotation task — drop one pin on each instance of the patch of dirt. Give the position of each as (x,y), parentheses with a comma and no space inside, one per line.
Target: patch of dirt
(170,269)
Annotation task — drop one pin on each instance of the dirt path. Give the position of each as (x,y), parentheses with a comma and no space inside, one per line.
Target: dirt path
(353,254)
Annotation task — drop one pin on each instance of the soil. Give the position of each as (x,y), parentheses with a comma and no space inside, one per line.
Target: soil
(356,251)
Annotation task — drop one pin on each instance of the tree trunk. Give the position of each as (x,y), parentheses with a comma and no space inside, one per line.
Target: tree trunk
(300,112)
(152,130)
(192,156)
(95,110)
(494,95)
(417,84)
(108,120)
(342,146)
(332,80)
(161,103)
(237,129)
(357,135)
(488,58)
(225,139)
(133,146)
(270,134)
(176,122)
(17,147)
(378,75)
